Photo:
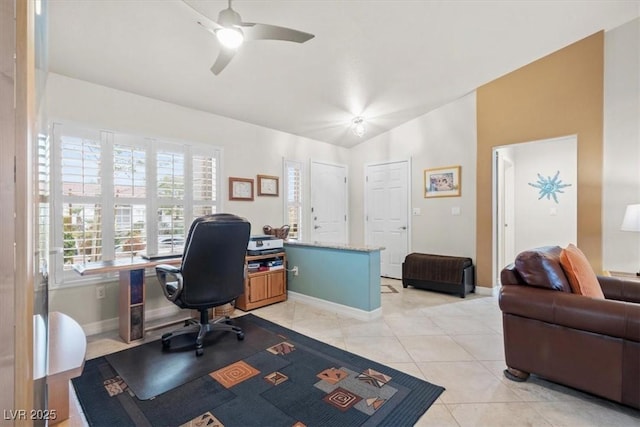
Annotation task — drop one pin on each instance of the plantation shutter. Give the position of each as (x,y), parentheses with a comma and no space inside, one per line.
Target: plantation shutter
(114,196)
(81,159)
(129,192)
(170,170)
(204,185)
(293,191)
(44,197)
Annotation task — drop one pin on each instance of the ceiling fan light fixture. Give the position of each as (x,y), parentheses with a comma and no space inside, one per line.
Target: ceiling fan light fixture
(230,37)
(357,126)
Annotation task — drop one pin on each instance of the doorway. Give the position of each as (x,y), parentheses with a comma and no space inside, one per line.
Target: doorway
(506,204)
(535,197)
(328,203)
(387,214)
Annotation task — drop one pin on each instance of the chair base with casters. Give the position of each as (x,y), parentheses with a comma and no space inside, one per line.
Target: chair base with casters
(203,327)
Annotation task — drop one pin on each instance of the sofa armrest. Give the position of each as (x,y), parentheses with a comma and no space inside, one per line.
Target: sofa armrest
(608,317)
(620,289)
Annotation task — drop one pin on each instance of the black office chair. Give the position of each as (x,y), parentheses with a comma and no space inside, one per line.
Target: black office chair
(212,274)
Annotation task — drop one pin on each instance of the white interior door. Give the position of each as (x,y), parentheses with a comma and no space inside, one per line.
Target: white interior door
(328,203)
(387,214)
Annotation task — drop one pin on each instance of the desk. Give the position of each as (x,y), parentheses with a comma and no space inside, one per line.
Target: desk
(67,350)
(131,294)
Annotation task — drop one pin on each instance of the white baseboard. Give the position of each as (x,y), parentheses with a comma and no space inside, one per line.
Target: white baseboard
(487,292)
(341,309)
(95,328)
(113,323)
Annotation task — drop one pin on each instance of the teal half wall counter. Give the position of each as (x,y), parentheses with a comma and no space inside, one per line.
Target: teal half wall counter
(339,277)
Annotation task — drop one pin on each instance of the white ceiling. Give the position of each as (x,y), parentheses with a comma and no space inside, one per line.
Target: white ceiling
(389,61)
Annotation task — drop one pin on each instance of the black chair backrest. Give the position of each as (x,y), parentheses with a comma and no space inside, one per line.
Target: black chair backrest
(213,263)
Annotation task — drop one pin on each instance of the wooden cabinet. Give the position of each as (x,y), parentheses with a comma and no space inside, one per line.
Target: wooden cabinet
(264,287)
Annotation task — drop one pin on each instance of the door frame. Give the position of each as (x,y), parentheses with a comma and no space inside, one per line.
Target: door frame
(504,200)
(409,196)
(346,196)
(495,202)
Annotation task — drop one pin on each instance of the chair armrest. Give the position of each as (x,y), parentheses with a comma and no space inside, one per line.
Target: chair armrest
(171,269)
(601,316)
(171,289)
(617,288)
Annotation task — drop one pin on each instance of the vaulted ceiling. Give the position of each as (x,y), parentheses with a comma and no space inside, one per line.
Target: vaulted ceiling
(387,60)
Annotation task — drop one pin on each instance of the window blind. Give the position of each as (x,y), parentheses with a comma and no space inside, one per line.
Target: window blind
(293,203)
(122,194)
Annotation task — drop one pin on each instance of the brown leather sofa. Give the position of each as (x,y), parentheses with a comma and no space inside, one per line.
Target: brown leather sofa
(586,343)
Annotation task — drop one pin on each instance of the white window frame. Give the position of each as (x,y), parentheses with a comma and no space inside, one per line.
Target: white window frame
(69,278)
(300,165)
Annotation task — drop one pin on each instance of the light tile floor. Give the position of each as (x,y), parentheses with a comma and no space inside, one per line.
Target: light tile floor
(444,339)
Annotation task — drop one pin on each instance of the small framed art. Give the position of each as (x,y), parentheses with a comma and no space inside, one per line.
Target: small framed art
(442,182)
(268,185)
(240,188)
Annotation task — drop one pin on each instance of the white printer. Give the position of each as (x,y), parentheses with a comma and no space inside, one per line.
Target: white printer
(264,244)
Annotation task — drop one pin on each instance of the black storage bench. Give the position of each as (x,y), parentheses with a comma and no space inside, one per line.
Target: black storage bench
(439,273)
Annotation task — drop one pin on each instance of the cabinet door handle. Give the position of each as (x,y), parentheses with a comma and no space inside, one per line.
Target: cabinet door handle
(315,227)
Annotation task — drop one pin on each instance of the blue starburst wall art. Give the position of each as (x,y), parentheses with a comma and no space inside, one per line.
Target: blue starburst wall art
(549,187)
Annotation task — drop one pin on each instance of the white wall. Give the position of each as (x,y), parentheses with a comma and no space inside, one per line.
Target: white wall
(621,250)
(444,137)
(248,150)
(544,222)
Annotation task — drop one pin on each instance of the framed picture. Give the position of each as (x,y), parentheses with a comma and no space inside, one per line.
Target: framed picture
(240,188)
(267,185)
(442,182)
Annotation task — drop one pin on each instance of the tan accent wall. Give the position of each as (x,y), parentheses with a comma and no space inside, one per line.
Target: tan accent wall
(560,94)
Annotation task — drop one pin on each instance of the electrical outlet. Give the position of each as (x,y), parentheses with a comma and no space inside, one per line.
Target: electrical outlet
(100,292)
(294,270)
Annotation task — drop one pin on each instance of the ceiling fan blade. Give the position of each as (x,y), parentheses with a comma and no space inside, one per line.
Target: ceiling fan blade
(208,23)
(210,26)
(253,31)
(224,57)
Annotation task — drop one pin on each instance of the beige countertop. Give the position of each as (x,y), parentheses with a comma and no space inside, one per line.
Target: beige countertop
(339,246)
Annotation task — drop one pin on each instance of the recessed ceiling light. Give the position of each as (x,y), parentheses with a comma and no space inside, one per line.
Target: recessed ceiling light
(357,126)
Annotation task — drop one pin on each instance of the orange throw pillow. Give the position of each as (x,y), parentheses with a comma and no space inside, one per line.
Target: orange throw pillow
(581,277)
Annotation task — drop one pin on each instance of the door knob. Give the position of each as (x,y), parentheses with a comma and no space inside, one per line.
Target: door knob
(404,227)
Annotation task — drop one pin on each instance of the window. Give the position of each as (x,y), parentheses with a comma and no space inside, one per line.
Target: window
(170,167)
(204,185)
(293,172)
(44,214)
(117,195)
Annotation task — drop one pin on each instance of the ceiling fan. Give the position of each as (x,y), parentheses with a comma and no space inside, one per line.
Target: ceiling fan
(231,32)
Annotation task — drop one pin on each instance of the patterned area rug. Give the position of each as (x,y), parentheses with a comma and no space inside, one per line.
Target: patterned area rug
(297,381)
